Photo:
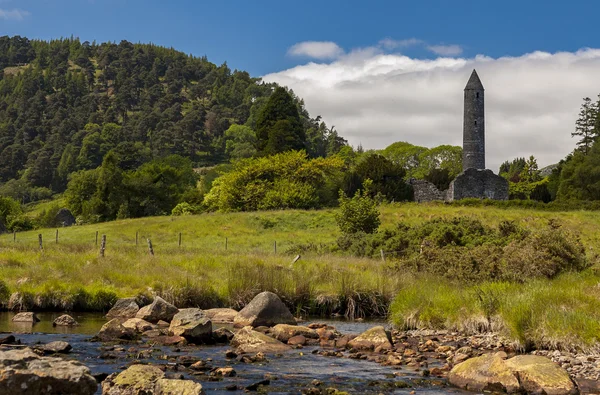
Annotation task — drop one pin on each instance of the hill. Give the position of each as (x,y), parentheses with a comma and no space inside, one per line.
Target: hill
(65,104)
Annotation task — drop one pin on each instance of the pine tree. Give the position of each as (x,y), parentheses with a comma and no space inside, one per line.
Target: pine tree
(585,126)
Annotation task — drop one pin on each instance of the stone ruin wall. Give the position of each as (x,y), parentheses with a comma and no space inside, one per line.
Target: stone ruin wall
(424,191)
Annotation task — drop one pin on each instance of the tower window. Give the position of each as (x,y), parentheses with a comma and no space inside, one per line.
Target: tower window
(475,123)
(477,95)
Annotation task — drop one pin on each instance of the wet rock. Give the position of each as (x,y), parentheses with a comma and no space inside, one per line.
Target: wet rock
(343,341)
(587,386)
(222,335)
(375,337)
(255,386)
(124,308)
(266,309)
(284,332)
(57,347)
(139,325)
(10,339)
(170,340)
(230,354)
(485,373)
(258,357)
(136,380)
(178,387)
(200,366)
(221,316)
(114,330)
(23,371)
(248,341)
(163,324)
(227,371)
(539,375)
(65,320)
(299,340)
(26,317)
(191,324)
(158,310)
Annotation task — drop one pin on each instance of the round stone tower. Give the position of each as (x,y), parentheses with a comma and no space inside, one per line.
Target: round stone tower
(474,125)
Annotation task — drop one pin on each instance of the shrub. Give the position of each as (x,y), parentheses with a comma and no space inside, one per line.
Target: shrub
(185,209)
(359,213)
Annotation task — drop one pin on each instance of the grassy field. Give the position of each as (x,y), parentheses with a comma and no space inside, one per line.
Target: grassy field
(225,259)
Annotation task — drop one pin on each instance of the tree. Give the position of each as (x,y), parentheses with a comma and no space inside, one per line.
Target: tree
(359,213)
(386,178)
(240,142)
(585,126)
(278,126)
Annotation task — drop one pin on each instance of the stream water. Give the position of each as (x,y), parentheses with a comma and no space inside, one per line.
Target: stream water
(294,371)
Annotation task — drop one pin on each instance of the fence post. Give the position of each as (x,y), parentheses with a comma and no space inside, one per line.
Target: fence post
(226,244)
(96,238)
(102,245)
(382,255)
(150,249)
(40,241)
(136,238)
(275,246)
(56,236)
(179,239)
(15,236)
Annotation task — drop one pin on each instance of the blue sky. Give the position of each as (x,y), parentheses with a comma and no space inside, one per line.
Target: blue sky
(380,71)
(256,35)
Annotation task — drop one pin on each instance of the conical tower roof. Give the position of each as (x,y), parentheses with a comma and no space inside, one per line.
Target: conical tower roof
(474,82)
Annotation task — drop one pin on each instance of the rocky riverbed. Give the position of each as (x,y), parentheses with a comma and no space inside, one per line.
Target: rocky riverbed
(271,354)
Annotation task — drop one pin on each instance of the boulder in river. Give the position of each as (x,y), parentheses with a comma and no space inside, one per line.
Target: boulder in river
(124,308)
(250,341)
(56,347)
(284,332)
(147,379)
(65,320)
(266,309)
(192,324)
(530,374)
(26,317)
(221,316)
(373,338)
(24,372)
(158,310)
(139,325)
(539,375)
(114,330)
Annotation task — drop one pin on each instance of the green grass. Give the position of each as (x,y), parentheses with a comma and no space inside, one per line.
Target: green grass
(559,313)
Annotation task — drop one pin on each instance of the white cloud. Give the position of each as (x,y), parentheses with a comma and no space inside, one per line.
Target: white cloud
(373,98)
(317,50)
(446,50)
(14,14)
(389,43)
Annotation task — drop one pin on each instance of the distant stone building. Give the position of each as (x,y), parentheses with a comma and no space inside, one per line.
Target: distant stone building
(475,181)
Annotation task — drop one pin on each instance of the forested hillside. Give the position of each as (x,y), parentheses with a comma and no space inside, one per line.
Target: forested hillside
(65,104)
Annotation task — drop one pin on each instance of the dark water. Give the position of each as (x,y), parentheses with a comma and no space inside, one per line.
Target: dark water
(294,371)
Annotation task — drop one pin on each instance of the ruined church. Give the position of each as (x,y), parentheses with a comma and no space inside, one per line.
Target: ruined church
(475,181)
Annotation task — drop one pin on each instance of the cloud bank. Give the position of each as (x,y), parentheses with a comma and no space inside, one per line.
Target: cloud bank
(374,99)
(316,50)
(14,14)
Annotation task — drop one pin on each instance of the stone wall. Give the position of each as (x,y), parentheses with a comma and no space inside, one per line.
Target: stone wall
(478,183)
(424,191)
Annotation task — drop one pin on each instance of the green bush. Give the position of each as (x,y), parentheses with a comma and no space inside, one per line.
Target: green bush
(185,209)
(359,213)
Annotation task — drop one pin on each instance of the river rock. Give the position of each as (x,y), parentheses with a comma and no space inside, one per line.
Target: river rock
(124,308)
(488,372)
(266,309)
(24,372)
(114,330)
(65,320)
(371,339)
(158,310)
(192,324)
(64,217)
(136,380)
(284,332)
(139,325)
(222,335)
(250,341)
(10,339)
(57,347)
(178,387)
(26,317)
(221,316)
(539,375)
